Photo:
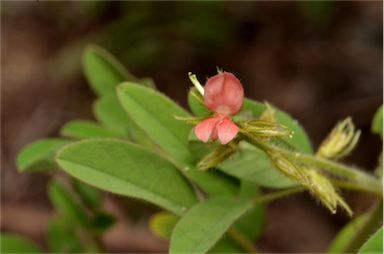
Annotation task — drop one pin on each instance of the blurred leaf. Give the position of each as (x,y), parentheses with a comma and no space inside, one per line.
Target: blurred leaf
(347,234)
(226,245)
(11,243)
(62,238)
(101,223)
(127,169)
(155,114)
(81,129)
(204,224)
(252,164)
(39,155)
(67,204)
(300,138)
(103,71)
(162,224)
(109,112)
(377,123)
(374,244)
(90,196)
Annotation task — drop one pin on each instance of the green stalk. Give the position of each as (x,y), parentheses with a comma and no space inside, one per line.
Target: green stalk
(346,177)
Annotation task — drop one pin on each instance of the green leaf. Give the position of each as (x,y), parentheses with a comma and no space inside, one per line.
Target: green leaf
(103,71)
(374,244)
(252,164)
(155,114)
(80,129)
(67,203)
(89,195)
(226,245)
(162,224)
(127,169)
(377,122)
(251,224)
(62,238)
(101,223)
(39,155)
(11,243)
(109,112)
(204,224)
(347,234)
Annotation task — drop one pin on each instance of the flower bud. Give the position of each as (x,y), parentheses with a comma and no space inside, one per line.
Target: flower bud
(217,156)
(341,141)
(265,128)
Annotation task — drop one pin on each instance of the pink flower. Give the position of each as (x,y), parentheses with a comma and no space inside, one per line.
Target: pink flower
(223,95)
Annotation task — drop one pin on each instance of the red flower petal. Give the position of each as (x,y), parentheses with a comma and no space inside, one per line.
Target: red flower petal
(227,130)
(207,128)
(224,94)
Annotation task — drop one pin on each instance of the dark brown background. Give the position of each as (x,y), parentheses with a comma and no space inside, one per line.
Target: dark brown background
(319,61)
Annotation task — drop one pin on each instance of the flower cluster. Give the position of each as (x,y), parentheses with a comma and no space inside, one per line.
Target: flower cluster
(223,95)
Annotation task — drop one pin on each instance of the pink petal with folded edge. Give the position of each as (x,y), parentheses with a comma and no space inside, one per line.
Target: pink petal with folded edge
(205,129)
(227,130)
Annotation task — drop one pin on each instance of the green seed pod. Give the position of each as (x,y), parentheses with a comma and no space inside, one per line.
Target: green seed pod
(265,129)
(220,154)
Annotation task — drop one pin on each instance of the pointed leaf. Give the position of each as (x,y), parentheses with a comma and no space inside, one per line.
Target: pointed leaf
(374,245)
(39,155)
(103,71)
(11,243)
(127,169)
(204,224)
(155,114)
(80,129)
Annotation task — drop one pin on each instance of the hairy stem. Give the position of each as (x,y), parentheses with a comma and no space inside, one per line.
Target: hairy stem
(345,176)
(278,194)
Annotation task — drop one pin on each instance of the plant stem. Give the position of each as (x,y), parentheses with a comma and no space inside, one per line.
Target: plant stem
(278,194)
(241,240)
(346,177)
